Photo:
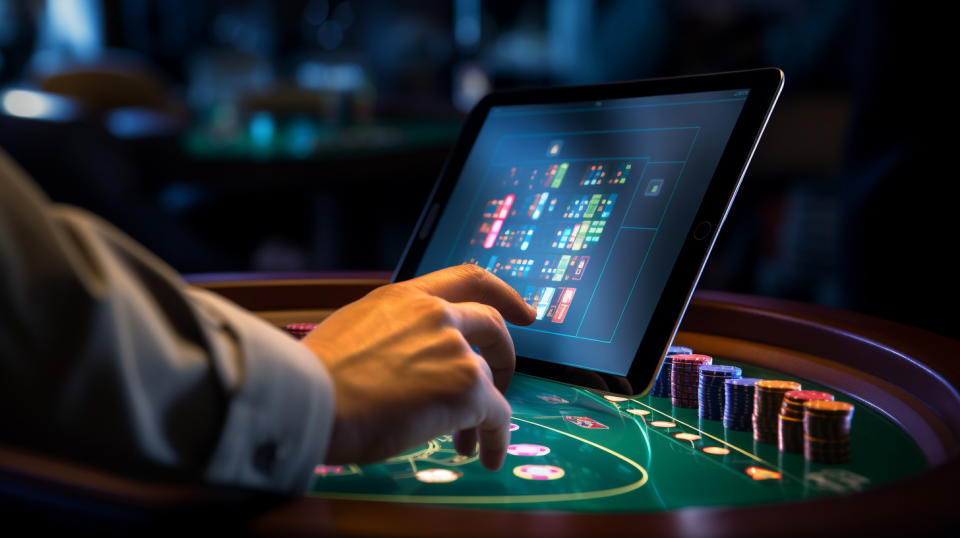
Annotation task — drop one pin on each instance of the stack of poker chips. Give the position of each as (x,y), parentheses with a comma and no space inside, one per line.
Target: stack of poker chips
(767,399)
(712,378)
(299,330)
(738,404)
(791,417)
(661,387)
(685,379)
(826,431)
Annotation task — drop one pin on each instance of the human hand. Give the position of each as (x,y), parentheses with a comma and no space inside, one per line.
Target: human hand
(404,371)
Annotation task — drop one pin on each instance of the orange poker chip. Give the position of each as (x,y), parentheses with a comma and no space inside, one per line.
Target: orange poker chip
(778,385)
(716,450)
(687,436)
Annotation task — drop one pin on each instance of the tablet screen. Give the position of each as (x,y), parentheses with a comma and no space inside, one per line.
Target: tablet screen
(583,208)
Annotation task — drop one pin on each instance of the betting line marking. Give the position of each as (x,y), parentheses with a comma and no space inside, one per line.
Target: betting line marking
(731,445)
(506,499)
(675,419)
(648,430)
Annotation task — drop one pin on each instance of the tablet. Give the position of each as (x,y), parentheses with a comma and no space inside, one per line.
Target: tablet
(599,205)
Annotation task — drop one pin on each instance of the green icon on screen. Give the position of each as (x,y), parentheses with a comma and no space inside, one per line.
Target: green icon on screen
(653,187)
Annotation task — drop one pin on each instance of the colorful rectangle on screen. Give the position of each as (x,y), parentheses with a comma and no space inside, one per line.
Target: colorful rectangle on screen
(579,265)
(558,176)
(546,295)
(492,235)
(561,267)
(563,305)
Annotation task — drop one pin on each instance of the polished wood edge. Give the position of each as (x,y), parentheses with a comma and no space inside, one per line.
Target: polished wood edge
(294,294)
(914,505)
(54,474)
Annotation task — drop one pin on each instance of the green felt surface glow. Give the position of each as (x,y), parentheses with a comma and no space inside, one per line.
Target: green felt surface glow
(630,465)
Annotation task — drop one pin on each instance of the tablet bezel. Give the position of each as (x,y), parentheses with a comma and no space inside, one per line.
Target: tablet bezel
(764,85)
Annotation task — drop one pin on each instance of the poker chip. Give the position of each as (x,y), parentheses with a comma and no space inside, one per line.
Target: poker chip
(661,385)
(738,403)
(527,450)
(767,400)
(791,417)
(711,389)
(826,431)
(299,330)
(685,379)
(538,472)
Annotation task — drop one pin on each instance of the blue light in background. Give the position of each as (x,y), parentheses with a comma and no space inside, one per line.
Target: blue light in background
(331,76)
(129,123)
(71,29)
(262,129)
(302,137)
(466,24)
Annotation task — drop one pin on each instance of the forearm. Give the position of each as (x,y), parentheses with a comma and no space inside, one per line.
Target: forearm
(108,355)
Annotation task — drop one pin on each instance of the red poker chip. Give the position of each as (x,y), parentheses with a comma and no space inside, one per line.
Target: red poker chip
(692,358)
(299,330)
(307,327)
(808,395)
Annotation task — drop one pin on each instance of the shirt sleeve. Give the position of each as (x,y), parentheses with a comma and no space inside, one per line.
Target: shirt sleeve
(108,357)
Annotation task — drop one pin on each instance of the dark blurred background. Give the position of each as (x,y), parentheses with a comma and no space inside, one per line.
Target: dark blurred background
(303,135)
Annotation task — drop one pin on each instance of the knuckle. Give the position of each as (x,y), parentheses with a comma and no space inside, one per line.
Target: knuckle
(436,312)
(495,316)
(454,343)
(388,290)
(463,385)
(473,272)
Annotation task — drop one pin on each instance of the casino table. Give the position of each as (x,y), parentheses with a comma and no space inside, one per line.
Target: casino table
(584,461)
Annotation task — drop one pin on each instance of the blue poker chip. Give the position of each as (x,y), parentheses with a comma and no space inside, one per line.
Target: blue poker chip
(720,369)
(679,350)
(742,382)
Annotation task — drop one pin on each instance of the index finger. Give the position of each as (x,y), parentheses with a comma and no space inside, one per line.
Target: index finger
(470,283)
(494,431)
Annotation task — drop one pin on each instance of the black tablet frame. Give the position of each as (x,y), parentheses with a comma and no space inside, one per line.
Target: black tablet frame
(764,85)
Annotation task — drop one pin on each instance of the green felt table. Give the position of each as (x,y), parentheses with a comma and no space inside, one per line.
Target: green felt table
(628,459)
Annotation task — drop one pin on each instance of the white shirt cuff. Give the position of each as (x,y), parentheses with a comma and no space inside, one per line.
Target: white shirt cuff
(280,414)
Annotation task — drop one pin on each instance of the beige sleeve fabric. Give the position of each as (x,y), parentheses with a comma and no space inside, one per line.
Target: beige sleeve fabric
(108,357)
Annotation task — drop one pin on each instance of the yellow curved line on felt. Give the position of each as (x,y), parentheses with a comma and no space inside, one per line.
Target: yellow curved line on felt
(432,447)
(505,499)
(719,440)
